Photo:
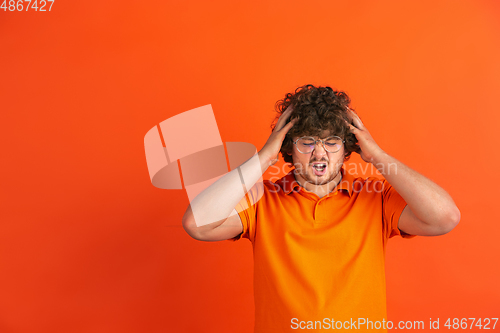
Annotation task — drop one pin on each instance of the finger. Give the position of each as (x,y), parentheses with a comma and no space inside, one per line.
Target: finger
(283,118)
(358,122)
(355,118)
(352,127)
(349,114)
(287,127)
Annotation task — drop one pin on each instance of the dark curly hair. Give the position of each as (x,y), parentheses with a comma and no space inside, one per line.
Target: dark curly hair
(318,109)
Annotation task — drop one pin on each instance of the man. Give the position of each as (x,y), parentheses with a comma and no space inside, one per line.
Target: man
(319,235)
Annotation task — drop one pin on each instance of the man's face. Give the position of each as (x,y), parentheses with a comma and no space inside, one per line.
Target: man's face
(308,166)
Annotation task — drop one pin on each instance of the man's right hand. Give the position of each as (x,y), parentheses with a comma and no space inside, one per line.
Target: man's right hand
(270,151)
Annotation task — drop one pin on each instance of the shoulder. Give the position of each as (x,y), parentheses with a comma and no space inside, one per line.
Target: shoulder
(276,186)
(285,184)
(369,185)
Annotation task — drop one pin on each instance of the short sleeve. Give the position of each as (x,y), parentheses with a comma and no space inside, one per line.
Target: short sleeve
(247,211)
(393,205)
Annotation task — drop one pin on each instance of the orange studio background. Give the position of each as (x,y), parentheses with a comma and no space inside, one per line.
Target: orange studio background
(88,244)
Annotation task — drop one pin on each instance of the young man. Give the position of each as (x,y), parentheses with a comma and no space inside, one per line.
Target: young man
(319,235)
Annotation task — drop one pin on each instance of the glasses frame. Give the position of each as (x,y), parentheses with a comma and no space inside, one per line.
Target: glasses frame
(316,141)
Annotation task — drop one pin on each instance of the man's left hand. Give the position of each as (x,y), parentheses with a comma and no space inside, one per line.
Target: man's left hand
(368,146)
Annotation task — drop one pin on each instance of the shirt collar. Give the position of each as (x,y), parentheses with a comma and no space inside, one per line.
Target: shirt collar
(288,182)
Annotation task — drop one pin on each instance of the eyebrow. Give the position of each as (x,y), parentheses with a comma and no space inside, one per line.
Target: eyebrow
(312,136)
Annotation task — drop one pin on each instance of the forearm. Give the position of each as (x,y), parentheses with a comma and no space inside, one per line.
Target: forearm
(210,208)
(427,200)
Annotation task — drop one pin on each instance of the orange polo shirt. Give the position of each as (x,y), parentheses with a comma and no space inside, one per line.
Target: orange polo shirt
(318,261)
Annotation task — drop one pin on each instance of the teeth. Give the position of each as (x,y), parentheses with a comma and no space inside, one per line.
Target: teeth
(319,167)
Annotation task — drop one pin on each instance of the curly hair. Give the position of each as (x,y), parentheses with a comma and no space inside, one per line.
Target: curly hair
(318,109)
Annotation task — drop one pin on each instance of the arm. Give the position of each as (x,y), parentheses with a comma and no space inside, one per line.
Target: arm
(214,217)
(430,210)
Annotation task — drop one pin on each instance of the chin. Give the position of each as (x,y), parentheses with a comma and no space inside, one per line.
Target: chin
(321,180)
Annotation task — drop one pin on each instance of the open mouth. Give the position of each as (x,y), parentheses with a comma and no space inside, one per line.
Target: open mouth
(319,168)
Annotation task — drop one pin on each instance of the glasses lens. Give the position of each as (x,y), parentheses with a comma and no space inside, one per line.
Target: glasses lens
(305,145)
(333,144)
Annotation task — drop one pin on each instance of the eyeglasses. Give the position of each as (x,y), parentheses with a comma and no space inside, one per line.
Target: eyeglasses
(307,144)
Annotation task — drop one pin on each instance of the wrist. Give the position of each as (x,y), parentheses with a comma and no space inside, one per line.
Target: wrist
(383,162)
(266,160)
(379,156)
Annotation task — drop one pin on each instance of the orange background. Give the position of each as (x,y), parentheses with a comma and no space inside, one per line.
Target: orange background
(87,244)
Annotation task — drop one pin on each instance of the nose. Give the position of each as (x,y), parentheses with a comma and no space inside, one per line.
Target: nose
(319,150)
